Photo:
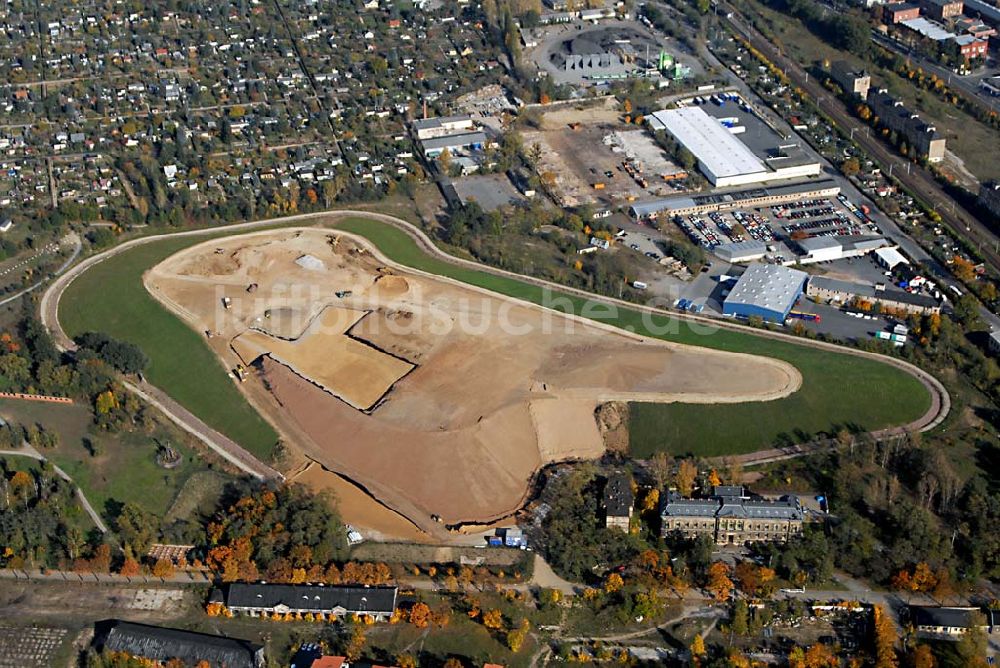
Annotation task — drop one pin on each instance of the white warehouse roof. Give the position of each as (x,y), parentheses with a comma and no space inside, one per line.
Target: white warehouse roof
(891,257)
(718,151)
(768,286)
(928,29)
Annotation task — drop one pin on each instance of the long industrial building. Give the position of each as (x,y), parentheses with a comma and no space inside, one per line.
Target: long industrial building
(768,291)
(722,157)
(685,205)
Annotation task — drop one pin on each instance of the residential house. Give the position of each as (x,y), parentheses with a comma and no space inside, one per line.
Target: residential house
(989,197)
(853,81)
(941,9)
(618,501)
(256,600)
(948,622)
(920,135)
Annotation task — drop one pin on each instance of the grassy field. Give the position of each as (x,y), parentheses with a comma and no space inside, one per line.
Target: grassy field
(110,297)
(838,390)
(125,467)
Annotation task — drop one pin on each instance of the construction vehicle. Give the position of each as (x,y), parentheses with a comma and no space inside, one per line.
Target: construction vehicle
(599,186)
(241,373)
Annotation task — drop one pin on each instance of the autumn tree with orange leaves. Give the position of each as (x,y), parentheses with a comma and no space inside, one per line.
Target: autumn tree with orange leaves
(754,580)
(283,533)
(883,639)
(719,584)
(420,615)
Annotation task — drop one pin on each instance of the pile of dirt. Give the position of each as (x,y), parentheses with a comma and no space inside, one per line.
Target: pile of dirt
(612,421)
(391,284)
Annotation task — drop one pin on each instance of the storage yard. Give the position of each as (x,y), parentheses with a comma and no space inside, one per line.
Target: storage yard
(457,414)
(594,158)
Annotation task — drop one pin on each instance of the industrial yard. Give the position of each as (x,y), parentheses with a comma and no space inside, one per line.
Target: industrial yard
(447,411)
(592,157)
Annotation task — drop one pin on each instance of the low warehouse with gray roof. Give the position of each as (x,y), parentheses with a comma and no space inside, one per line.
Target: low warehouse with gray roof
(768,291)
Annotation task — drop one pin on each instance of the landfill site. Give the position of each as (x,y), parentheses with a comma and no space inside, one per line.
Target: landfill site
(405,383)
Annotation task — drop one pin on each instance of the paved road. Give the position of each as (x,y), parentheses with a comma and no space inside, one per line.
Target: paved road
(28,451)
(913,177)
(77,247)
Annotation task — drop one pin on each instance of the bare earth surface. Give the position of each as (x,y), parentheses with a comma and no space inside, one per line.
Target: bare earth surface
(436,397)
(375,521)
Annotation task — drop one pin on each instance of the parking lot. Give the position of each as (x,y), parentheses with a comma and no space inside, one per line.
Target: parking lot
(785,222)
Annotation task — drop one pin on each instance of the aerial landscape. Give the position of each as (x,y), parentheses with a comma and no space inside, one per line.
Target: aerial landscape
(520,333)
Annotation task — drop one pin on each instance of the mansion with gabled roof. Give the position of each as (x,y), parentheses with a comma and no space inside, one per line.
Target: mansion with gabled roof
(733,517)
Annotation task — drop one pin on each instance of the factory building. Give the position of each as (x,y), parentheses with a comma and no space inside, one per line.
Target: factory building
(429,128)
(685,205)
(468,140)
(767,291)
(920,135)
(898,12)
(900,302)
(826,249)
(722,157)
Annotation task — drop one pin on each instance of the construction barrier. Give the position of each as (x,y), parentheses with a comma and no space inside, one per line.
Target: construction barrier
(35,397)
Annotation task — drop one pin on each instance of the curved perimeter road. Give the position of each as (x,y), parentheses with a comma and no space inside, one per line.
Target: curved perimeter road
(28,451)
(239,457)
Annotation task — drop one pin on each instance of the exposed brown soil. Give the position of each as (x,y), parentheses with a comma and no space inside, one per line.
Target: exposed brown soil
(495,388)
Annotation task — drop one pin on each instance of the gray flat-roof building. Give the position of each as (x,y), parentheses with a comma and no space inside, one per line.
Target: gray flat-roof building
(767,291)
(741,251)
(886,298)
(724,200)
(468,140)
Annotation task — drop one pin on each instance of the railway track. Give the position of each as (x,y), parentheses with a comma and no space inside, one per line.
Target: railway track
(912,176)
